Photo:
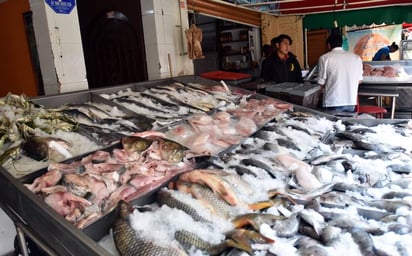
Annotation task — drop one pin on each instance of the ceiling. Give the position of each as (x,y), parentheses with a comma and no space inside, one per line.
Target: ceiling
(303,7)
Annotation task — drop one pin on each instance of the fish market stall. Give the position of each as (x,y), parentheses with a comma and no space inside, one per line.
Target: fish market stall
(297,186)
(280,177)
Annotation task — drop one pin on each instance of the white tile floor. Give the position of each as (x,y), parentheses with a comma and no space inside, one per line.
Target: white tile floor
(7,234)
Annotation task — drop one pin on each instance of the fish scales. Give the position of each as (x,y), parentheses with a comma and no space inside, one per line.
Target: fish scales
(211,200)
(310,247)
(166,197)
(188,239)
(287,143)
(364,241)
(128,242)
(259,164)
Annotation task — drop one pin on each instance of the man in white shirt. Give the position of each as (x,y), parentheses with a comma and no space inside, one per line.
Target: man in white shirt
(340,73)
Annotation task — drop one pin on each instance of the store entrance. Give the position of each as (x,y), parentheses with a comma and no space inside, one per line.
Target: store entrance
(113,42)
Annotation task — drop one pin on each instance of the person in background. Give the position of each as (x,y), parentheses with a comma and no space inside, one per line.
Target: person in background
(340,73)
(267,51)
(384,52)
(282,65)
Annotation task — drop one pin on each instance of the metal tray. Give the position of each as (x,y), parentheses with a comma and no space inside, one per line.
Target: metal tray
(195,79)
(45,223)
(76,98)
(374,122)
(134,86)
(95,230)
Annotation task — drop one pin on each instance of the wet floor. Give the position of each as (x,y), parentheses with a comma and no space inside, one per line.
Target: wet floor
(7,234)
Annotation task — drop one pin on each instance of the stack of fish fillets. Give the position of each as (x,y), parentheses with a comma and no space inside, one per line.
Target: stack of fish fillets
(214,133)
(85,189)
(302,185)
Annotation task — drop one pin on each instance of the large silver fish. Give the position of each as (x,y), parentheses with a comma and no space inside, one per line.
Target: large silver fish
(128,242)
(169,198)
(209,199)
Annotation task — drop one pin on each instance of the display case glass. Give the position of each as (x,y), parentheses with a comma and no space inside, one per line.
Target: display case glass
(406,50)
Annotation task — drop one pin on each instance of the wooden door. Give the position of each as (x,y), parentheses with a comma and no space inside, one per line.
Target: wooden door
(113,43)
(316,45)
(272,26)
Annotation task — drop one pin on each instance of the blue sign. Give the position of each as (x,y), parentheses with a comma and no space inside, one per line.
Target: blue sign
(61,6)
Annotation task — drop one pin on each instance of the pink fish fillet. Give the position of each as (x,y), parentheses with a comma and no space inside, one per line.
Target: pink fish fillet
(50,178)
(302,171)
(62,202)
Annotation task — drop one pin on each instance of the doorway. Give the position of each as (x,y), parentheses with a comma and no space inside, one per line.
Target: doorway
(113,42)
(316,45)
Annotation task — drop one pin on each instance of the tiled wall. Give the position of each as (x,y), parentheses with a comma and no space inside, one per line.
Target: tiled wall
(60,49)
(61,54)
(164,22)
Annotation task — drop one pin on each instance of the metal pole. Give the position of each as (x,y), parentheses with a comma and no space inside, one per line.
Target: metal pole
(21,241)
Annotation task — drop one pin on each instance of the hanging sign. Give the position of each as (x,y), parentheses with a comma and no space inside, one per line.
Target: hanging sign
(61,6)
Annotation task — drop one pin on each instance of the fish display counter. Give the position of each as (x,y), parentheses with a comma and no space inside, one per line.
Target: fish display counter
(388,73)
(395,76)
(290,182)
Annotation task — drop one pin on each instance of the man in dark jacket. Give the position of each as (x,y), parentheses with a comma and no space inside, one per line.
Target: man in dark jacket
(282,66)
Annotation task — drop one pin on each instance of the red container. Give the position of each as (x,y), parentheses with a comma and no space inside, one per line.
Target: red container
(231,78)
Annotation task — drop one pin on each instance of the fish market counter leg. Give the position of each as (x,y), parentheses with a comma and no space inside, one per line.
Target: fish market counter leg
(23,231)
(379,93)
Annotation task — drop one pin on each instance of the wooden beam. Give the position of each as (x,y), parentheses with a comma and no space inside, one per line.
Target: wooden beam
(225,11)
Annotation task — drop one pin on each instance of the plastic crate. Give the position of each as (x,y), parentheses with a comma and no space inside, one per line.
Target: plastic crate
(306,95)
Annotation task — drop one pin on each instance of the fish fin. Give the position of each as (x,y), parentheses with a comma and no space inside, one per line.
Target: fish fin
(261,205)
(241,243)
(250,235)
(242,221)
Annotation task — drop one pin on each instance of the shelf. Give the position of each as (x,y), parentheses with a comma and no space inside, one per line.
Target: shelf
(235,53)
(233,41)
(234,46)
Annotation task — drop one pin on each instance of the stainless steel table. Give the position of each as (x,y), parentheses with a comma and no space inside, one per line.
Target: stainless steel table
(379,93)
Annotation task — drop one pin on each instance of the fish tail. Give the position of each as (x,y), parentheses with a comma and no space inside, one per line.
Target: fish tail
(275,193)
(240,243)
(261,205)
(247,235)
(243,221)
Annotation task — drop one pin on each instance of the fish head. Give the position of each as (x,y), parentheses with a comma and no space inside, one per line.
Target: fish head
(135,143)
(172,151)
(36,147)
(124,209)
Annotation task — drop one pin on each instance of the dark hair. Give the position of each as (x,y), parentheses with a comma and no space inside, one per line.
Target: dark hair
(267,49)
(394,46)
(280,38)
(335,40)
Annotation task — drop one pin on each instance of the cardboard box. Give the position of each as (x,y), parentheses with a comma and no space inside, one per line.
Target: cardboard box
(306,95)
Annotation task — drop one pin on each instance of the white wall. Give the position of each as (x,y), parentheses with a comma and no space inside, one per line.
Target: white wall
(164,22)
(60,48)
